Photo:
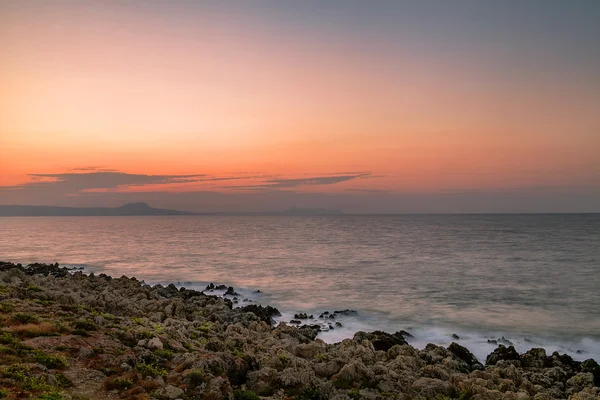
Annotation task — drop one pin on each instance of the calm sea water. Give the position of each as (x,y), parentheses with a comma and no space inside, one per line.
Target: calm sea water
(534,279)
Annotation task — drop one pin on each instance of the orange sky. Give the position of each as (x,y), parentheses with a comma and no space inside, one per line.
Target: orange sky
(215,91)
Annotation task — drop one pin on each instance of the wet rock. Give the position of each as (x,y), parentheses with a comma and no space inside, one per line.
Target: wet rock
(231,292)
(346,312)
(295,322)
(338,324)
(502,353)
(210,286)
(463,354)
(265,313)
(455,336)
(505,341)
(381,340)
(301,316)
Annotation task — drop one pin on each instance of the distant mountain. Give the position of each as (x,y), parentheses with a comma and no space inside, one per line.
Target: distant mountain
(48,211)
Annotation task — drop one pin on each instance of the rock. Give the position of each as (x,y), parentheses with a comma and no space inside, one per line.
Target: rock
(231,292)
(592,367)
(210,286)
(345,312)
(265,313)
(301,316)
(218,389)
(154,344)
(455,336)
(535,358)
(381,340)
(85,352)
(579,382)
(491,341)
(338,324)
(505,341)
(169,392)
(463,354)
(295,322)
(502,353)
(431,388)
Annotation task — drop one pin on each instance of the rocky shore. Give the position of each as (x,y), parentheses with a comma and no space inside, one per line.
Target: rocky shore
(68,335)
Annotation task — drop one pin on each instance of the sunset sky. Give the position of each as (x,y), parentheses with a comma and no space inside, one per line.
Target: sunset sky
(365,106)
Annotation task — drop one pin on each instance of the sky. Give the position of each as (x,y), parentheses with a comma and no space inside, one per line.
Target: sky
(368,107)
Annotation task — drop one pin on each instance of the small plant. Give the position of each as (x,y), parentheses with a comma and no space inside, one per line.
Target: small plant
(120,383)
(49,361)
(3,288)
(24,318)
(3,393)
(195,377)
(50,396)
(63,381)
(33,289)
(6,307)
(144,334)
(245,395)
(149,370)
(86,325)
(205,327)
(80,332)
(164,354)
(43,302)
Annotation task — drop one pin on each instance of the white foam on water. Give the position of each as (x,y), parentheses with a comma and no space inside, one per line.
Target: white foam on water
(476,341)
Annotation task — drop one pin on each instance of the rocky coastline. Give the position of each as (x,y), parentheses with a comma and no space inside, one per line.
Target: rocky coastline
(68,335)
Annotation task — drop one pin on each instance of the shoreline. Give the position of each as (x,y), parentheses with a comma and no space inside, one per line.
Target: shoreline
(130,340)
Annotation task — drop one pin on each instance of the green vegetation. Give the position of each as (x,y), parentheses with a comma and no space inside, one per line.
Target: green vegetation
(52,362)
(120,383)
(24,318)
(6,307)
(149,370)
(86,325)
(33,288)
(195,377)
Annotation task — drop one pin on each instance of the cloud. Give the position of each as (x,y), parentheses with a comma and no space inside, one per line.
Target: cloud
(93,180)
(312,181)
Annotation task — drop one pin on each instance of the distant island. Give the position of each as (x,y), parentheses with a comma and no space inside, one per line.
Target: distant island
(54,211)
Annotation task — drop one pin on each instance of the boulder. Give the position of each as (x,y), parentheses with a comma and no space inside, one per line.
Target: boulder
(502,353)
(463,354)
(381,340)
(169,392)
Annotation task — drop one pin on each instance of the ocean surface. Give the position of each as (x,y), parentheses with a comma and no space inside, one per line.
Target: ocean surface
(532,279)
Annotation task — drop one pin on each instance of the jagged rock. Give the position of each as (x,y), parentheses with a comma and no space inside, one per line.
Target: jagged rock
(265,313)
(465,355)
(231,292)
(502,353)
(381,340)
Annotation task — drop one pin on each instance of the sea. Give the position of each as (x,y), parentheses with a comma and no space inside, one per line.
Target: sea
(530,280)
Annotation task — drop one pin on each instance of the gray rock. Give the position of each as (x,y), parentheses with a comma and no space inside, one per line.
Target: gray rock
(169,392)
